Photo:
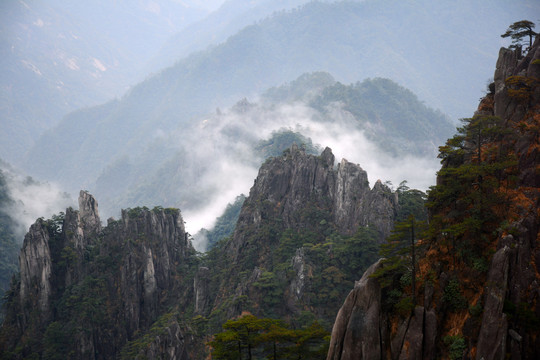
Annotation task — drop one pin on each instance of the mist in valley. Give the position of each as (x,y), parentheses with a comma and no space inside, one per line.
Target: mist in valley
(170,103)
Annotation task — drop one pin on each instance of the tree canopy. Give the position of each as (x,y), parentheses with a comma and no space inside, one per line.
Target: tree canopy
(252,337)
(518,30)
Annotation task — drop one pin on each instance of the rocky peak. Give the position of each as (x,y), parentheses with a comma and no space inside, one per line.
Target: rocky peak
(288,183)
(499,315)
(35,265)
(300,203)
(127,272)
(512,72)
(89,215)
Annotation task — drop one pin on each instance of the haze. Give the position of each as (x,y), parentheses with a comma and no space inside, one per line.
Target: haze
(139,102)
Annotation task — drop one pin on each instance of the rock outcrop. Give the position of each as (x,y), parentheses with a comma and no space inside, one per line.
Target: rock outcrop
(494,315)
(494,328)
(35,265)
(357,329)
(300,204)
(286,185)
(104,286)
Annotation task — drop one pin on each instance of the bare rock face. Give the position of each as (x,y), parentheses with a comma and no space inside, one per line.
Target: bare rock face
(285,185)
(80,229)
(512,64)
(35,264)
(492,338)
(298,283)
(154,243)
(361,329)
(355,204)
(357,329)
(89,215)
(127,272)
(201,289)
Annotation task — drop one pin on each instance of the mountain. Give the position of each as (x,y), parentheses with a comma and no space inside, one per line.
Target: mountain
(58,57)
(155,114)
(97,287)
(227,20)
(185,167)
(22,200)
(299,207)
(476,292)
(136,287)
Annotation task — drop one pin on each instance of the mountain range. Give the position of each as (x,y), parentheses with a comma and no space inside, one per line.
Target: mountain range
(452,274)
(91,144)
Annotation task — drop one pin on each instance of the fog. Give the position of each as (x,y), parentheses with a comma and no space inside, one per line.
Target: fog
(31,200)
(224,142)
(213,158)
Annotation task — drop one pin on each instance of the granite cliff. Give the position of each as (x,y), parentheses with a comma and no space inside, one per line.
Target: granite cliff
(307,229)
(478,290)
(85,291)
(136,288)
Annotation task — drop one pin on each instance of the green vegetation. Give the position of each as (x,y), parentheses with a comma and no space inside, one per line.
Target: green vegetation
(301,89)
(327,261)
(411,202)
(456,346)
(226,223)
(159,328)
(475,187)
(518,30)
(452,296)
(9,247)
(406,120)
(282,140)
(250,337)
(398,275)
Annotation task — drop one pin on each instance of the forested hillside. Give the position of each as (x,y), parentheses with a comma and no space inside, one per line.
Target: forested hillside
(294,253)
(473,290)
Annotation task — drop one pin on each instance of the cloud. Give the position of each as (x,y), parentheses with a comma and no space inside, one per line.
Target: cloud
(224,143)
(32,200)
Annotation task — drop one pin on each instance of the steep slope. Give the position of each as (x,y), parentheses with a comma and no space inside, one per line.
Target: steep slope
(303,234)
(84,291)
(350,40)
(232,16)
(478,276)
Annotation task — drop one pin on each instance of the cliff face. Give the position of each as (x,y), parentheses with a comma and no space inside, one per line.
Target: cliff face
(479,291)
(136,287)
(286,185)
(98,288)
(291,247)
(35,264)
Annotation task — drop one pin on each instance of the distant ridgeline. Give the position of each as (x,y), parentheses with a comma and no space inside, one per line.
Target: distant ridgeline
(306,231)
(153,167)
(463,285)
